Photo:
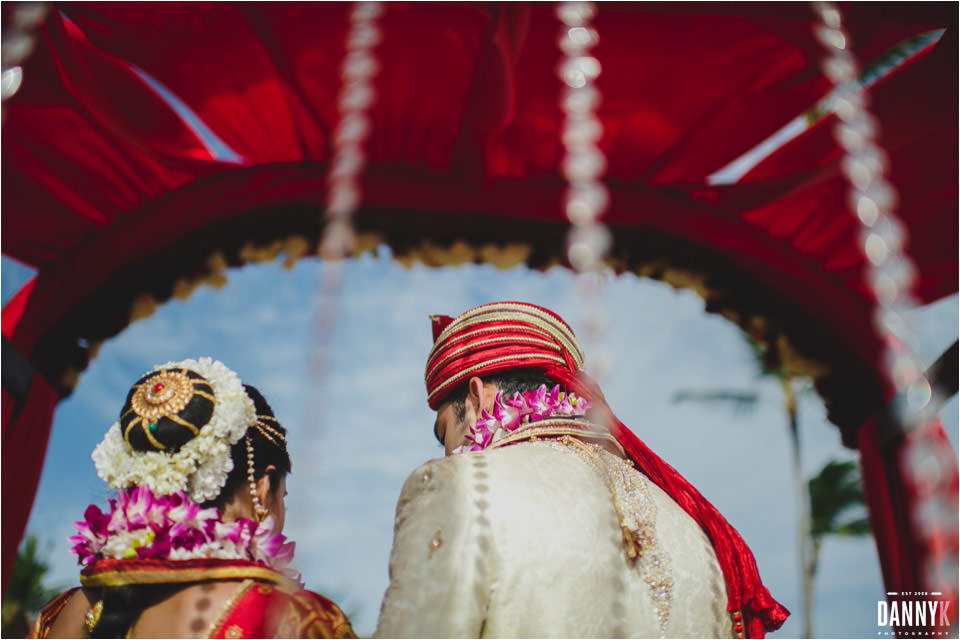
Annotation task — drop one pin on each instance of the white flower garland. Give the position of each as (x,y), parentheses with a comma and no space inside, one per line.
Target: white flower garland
(521,409)
(201,465)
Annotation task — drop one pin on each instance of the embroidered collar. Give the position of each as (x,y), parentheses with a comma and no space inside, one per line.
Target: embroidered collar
(557,428)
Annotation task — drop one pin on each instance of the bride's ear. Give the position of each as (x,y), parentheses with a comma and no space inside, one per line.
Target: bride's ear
(263,487)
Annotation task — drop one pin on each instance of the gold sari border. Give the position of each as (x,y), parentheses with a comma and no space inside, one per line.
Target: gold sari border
(228,607)
(121,577)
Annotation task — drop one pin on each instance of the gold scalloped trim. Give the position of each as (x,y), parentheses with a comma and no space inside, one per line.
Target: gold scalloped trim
(430,253)
(457,253)
(143,306)
(255,252)
(294,248)
(183,288)
(507,256)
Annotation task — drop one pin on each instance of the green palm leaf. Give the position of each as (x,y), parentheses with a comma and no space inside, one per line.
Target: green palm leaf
(836,501)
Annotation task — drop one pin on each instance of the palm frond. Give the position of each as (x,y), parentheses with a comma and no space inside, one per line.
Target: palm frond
(835,492)
(742,401)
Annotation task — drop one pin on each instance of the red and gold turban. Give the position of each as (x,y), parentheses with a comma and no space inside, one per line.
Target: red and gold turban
(500,336)
(497,337)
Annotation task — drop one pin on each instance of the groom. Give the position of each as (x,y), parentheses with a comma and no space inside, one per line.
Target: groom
(548,517)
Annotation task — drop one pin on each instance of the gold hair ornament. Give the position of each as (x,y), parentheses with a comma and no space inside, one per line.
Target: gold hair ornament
(275,437)
(164,395)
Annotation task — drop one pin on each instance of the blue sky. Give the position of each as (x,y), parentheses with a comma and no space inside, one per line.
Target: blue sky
(357,432)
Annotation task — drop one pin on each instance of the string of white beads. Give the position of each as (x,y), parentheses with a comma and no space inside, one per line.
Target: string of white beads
(259,510)
(355,99)
(19,40)
(583,166)
(890,273)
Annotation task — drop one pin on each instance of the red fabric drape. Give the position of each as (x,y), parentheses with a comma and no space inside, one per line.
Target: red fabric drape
(24,447)
(91,142)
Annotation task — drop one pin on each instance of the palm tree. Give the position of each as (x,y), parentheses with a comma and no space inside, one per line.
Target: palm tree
(746,399)
(25,591)
(829,503)
(836,505)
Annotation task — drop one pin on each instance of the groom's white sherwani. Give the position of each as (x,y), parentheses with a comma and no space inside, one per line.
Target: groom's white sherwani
(534,539)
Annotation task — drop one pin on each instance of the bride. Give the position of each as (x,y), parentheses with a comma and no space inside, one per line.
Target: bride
(191,546)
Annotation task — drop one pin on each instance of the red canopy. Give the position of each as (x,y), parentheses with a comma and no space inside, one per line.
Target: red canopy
(147,137)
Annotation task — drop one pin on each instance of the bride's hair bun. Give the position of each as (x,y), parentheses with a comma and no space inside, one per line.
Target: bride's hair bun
(165,409)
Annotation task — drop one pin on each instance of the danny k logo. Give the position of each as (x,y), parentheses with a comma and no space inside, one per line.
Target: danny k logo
(915,614)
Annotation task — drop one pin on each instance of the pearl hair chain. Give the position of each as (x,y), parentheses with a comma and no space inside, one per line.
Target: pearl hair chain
(259,510)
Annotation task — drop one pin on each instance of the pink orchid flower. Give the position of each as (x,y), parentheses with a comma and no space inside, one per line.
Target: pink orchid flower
(487,422)
(508,414)
(537,401)
(91,534)
(480,437)
(136,504)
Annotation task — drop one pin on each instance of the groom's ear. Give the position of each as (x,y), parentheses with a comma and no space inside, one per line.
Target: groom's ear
(482,395)
(475,393)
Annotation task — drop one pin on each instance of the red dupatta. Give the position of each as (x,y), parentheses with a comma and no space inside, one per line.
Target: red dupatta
(752,608)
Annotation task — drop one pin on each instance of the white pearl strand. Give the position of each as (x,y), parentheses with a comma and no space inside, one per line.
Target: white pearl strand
(890,274)
(583,166)
(259,510)
(19,40)
(354,101)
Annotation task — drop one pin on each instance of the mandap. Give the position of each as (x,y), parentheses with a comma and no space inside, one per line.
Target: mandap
(151,145)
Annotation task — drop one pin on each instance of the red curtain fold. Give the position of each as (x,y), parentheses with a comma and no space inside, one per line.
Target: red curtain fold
(466,92)
(24,447)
